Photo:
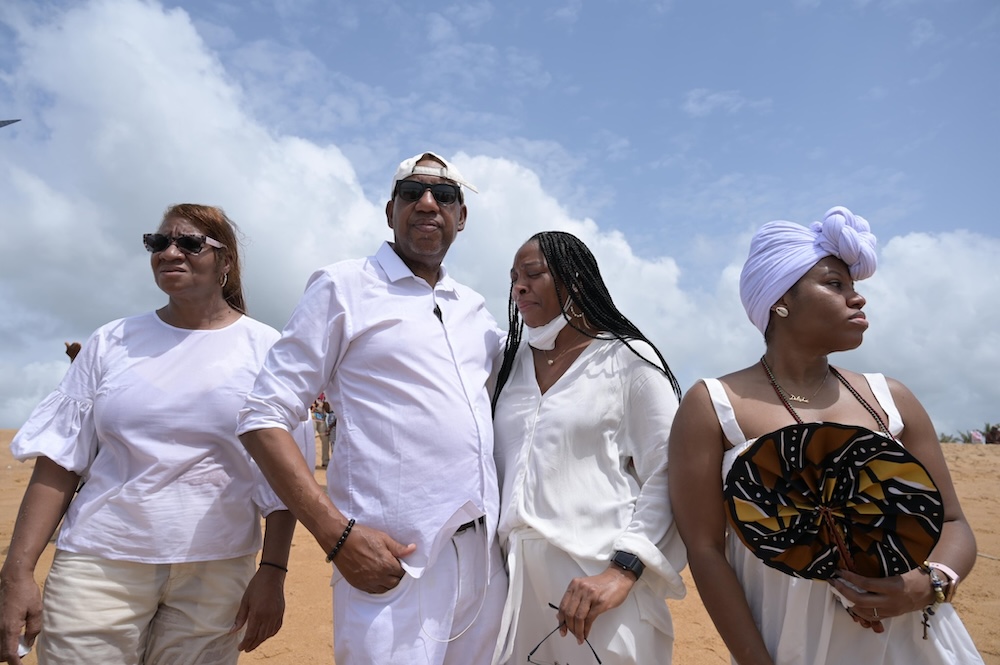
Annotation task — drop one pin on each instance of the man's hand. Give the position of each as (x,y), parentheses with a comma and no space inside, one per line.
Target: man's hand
(369,560)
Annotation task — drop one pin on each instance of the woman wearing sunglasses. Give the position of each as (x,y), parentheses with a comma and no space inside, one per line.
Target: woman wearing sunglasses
(582,413)
(155,559)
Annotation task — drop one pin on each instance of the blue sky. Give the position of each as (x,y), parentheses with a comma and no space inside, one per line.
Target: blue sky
(663,133)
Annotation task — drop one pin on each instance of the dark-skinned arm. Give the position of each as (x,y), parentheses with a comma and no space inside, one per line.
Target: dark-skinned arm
(369,558)
(45,501)
(695,473)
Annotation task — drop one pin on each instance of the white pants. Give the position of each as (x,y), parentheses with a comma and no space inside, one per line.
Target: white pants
(97,610)
(413,623)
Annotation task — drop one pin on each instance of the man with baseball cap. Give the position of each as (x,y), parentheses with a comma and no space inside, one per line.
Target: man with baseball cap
(403,353)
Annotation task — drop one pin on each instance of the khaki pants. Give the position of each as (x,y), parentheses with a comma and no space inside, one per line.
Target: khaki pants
(96,610)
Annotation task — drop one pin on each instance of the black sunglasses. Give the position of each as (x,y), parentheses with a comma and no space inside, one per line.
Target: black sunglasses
(412,190)
(543,662)
(189,243)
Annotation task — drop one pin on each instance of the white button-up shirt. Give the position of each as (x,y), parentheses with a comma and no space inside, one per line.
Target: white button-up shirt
(414,431)
(585,464)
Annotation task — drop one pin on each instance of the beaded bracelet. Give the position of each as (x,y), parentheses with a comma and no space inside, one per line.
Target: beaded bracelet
(937,585)
(274,565)
(340,543)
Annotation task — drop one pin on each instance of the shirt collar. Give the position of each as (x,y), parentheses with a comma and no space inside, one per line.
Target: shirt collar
(396,270)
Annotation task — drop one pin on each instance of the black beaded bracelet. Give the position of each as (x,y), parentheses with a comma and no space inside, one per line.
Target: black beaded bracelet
(274,565)
(340,543)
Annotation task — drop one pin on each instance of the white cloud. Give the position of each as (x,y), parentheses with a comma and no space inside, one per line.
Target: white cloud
(936,323)
(701,102)
(933,73)
(568,12)
(922,32)
(875,94)
(131,111)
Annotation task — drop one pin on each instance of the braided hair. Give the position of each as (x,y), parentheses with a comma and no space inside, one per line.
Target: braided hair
(575,268)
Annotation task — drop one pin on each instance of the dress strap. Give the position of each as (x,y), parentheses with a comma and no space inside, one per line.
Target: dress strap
(724,411)
(880,388)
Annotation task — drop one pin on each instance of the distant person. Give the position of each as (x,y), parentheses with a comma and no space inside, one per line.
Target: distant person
(320,409)
(583,413)
(331,428)
(798,288)
(155,561)
(403,353)
(72,350)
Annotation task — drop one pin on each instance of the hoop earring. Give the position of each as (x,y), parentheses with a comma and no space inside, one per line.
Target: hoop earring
(224,280)
(781,311)
(572,311)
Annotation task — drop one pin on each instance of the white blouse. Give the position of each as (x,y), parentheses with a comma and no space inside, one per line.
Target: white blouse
(146,415)
(585,464)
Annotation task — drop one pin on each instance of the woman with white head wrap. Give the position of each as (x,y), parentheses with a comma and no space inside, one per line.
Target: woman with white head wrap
(798,289)
(782,252)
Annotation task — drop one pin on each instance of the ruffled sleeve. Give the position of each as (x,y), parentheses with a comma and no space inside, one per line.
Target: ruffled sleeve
(62,426)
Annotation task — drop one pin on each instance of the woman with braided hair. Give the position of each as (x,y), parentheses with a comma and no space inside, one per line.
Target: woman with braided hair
(582,414)
(798,289)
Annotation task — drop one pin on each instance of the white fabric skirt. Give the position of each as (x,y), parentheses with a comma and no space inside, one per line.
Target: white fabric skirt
(637,631)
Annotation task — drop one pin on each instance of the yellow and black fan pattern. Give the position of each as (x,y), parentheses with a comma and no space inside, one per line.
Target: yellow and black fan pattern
(812,498)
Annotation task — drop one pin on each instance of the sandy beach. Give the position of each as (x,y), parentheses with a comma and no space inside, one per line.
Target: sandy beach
(306,637)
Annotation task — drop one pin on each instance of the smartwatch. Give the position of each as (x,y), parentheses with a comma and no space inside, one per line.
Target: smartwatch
(628,561)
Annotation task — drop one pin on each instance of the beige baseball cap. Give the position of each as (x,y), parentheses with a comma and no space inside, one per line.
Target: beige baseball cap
(409,167)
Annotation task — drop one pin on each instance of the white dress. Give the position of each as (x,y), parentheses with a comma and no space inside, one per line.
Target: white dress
(802,621)
(583,472)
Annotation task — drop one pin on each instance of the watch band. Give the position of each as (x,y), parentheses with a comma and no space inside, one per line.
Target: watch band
(952,577)
(628,561)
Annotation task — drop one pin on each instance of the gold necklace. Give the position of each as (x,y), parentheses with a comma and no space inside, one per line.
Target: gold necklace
(788,395)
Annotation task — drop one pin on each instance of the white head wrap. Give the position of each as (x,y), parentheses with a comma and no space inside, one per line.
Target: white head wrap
(782,252)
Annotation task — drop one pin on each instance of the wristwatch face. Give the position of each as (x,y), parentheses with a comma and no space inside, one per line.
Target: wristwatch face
(628,561)
(938,577)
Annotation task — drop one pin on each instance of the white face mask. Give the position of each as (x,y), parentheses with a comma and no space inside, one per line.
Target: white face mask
(543,338)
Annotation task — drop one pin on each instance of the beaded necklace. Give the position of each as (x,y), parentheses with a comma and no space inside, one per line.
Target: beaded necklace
(874,624)
(840,377)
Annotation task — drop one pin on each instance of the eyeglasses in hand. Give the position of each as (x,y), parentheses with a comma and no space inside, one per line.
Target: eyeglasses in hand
(554,631)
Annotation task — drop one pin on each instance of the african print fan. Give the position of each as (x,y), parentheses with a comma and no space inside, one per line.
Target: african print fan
(811,498)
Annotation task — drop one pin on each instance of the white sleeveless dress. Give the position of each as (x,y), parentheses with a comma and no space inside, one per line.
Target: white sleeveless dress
(802,621)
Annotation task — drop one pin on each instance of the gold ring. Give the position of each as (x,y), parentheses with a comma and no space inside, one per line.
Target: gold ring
(875,612)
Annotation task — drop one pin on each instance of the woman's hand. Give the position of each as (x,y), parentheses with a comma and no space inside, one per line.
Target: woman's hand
(588,597)
(262,607)
(884,597)
(45,501)
(20,611)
